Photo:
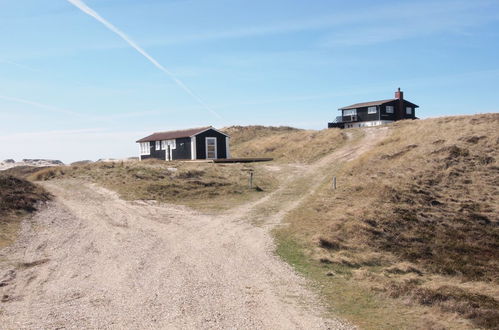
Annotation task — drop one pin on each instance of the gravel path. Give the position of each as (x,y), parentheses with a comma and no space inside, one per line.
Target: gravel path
(92,260)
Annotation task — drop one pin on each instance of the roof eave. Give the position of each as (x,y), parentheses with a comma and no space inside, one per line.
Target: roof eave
(211,127)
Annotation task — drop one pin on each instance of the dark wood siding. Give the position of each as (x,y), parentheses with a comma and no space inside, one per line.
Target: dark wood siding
(362,114)
(411,116)
(389,116)
(201,144)
(160,154)
(182,149)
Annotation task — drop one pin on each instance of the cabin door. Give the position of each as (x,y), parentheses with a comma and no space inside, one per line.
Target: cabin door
(211,148)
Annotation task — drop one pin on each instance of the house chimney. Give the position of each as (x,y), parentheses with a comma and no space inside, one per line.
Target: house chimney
(399,94)
(400,111)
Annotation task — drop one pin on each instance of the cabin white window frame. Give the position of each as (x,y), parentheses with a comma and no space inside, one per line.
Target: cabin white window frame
(210,138)
(172,143)
(158,145)
(389,109)
(408,110)
(372,110)
(145,148)
(350,112)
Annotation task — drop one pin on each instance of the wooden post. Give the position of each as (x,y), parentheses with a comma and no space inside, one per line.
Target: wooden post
(251,179)
(334,182)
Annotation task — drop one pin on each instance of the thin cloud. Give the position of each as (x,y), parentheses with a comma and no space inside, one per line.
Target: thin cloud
(446,15)
(41,105)
(54,109)
(89,11)
(22,66)
(53,133)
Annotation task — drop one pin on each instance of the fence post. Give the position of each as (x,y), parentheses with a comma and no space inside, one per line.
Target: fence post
(334,182)
(251,179)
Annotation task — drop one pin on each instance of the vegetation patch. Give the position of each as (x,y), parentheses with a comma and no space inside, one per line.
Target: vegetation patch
(18,197)
(200,185)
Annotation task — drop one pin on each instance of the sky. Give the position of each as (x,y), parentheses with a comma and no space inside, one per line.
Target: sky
(73,88)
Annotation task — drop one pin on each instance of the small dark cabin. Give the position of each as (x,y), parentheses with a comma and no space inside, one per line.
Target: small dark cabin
(195,143)
(375,113)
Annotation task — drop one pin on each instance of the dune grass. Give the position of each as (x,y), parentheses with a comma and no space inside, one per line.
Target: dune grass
(204,186)
(284,144)
(414,221)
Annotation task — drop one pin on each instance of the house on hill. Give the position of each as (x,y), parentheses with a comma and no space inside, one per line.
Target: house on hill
(195,143)
(375,113)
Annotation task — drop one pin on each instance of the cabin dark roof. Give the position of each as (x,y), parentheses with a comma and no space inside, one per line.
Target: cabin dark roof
(170,135)
(372,104)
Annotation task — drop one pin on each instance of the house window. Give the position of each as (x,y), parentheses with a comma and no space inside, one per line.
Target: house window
(408,110)
(158,145)
(350,112)
(371,110)
(166,143)
(145,148)
(389,109)
(211,148)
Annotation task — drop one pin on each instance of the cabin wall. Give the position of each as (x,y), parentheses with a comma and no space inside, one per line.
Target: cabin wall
(413,115)
(153,152)
(159,154)
(362,114)
(201,144)
(389,116)
(182,149)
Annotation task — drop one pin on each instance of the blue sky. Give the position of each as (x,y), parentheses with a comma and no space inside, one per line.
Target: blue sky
(72,89)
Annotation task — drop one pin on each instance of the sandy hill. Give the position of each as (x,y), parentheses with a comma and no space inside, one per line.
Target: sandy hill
(416,219)
(284,144)
(409,239)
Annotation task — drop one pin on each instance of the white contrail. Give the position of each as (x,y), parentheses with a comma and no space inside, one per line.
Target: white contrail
(89,11)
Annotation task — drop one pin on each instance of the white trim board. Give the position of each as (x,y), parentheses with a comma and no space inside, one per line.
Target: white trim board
(193,148)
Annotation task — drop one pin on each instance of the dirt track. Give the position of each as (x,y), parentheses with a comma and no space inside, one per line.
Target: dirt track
(92,260)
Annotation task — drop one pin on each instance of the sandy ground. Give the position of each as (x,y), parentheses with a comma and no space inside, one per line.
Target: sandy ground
(92,260)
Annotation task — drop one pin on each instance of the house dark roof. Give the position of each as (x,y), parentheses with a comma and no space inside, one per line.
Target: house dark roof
(170,135)
(373,103)
(367,104)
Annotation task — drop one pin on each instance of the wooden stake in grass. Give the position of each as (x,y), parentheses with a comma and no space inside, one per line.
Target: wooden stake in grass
(334,183)
(251,179)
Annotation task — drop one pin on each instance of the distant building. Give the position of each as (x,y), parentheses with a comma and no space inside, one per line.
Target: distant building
(194,143)
(375,113)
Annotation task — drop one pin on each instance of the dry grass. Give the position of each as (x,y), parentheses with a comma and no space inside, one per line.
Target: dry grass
(284,144)
(200,185)
(241,134)
(17,198)
(415,220)
(23,172)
